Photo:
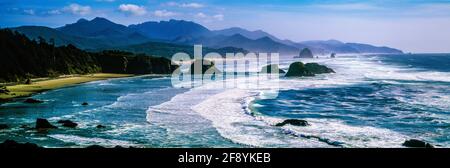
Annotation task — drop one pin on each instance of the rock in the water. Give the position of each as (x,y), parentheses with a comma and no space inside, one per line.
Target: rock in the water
(298,69)
(68,123)
(10,144)
(269,68)
(294,122)
(34,101)
(306,53)
(414,143)
(85,104)
(100,126)
(43,124)
(333,55)
(315,68)
(3,126)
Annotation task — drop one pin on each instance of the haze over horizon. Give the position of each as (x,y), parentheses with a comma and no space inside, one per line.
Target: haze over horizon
(412,26)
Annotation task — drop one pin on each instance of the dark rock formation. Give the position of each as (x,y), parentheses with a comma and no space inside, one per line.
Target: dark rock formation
(28,82)
(306,53)
(4,90)
(3,126)
(333,55)
(33,101)
(414,143)
(100,126)
(68,123)
(315,68)
(268,69)
(10,144)
(298,69)
(294,122)
(44,124)
(85,104)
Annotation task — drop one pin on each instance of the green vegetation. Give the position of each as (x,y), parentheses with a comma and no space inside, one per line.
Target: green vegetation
(298,69)
(23,59)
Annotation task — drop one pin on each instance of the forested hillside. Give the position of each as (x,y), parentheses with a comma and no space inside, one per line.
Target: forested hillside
(22,58)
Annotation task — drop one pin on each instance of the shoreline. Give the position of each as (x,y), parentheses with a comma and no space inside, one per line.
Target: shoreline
(42,85)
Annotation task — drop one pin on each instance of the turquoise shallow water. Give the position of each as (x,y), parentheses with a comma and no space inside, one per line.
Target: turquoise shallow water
(119,104)
(372,101)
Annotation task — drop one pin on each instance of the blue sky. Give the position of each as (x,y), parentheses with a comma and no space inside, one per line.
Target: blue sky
(410,25)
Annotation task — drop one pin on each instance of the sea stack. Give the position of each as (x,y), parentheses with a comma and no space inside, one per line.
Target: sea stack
(306,53)
(333,55)
(298,69)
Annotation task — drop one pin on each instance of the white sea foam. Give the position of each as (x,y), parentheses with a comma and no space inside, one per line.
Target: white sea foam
(227,109)
(85,141)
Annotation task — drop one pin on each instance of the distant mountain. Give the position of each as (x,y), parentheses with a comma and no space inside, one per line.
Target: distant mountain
(263,44)
(365,48)
(60,38)
(101,28)
(251,34)
(100,33)
(335,46)
(161,49)
(169,30)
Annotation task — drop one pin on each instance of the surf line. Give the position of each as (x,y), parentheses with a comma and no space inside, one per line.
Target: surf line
(193,158)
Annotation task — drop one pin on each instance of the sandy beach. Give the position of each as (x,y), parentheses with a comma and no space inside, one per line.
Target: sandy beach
(40,85)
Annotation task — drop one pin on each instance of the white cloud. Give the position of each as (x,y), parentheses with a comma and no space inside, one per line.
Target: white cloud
(218,17)
(201,15)
(208,18)
(132,9)
(29,11)
(77,9)
(185,5)
(164,13)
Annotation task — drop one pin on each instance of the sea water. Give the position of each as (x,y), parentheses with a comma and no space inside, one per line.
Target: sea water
(371,101)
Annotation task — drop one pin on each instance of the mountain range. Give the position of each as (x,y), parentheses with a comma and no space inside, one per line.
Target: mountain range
(100,33)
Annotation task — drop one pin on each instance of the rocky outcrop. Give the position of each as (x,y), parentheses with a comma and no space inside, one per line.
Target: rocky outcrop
(269,68)
(294,122)
(68,123)
(100,126)
(315,68)
(333,55)
(298,69)
(10,144)
(43,124)
(414,143)
(306,53)
(33,101)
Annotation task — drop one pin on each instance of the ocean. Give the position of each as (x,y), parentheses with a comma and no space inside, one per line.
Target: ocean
(371,101)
